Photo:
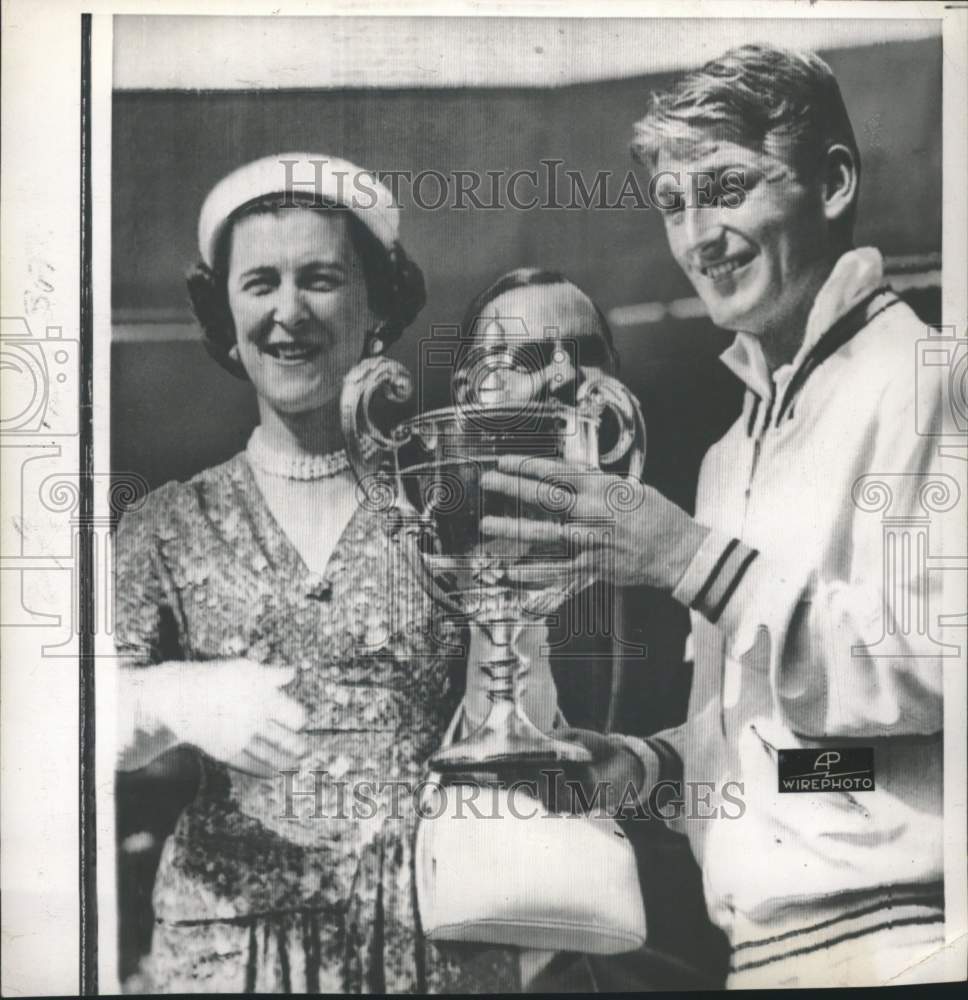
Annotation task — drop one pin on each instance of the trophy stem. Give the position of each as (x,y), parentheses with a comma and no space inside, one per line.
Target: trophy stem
(507,736)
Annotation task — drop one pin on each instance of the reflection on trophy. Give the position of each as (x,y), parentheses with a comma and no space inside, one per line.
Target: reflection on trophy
(429,469)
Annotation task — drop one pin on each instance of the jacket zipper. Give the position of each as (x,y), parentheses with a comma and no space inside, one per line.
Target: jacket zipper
(757,448)
(757,444)
(776,404)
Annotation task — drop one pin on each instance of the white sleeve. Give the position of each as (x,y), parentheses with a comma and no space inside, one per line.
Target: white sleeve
(847,655)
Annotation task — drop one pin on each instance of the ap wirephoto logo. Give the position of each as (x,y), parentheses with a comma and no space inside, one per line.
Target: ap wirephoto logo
(848,769)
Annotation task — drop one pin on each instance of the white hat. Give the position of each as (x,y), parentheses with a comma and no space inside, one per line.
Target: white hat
(315,174)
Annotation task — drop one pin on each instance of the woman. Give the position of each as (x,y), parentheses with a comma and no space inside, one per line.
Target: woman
(258,594)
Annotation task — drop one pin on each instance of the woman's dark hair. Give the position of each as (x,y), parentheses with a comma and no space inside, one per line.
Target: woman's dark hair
(529,277)
(394,283)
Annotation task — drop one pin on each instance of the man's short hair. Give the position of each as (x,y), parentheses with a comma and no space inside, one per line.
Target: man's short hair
(777,101)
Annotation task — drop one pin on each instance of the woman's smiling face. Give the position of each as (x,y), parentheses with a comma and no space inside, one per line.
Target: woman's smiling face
(298,297)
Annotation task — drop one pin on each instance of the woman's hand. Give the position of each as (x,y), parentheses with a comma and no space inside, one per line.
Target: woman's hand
(233,710)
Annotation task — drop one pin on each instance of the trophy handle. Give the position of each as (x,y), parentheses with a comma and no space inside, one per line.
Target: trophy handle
(407,530)
(362,438)
(606,392)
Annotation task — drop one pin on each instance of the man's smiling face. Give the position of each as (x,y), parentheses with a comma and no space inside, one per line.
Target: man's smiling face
(754,264)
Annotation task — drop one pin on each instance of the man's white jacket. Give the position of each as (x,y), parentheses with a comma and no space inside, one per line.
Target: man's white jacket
(818,605)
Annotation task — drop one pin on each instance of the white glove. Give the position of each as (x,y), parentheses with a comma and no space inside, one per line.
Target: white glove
(232,710)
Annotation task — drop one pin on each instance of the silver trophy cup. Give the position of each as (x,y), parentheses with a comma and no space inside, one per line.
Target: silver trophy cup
(428,471)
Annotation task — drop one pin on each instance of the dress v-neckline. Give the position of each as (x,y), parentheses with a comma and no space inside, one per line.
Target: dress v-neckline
(274,535)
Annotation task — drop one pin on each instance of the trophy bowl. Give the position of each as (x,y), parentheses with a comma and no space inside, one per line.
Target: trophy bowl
(429,470)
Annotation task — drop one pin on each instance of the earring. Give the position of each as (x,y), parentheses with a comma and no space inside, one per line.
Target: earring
(234,354)
(375,339)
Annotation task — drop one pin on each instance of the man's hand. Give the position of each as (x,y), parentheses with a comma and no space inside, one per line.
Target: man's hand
(612,784)
(623,531)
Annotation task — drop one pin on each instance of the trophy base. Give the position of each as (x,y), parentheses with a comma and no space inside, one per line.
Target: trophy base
(516,742)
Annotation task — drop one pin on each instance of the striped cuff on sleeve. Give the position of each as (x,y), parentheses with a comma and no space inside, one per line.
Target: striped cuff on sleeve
(653,750)
(713,575)
(670,763)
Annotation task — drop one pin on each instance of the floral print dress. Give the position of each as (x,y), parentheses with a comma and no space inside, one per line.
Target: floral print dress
(260,891)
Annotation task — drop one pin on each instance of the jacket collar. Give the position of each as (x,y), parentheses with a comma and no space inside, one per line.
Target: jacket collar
(855,275)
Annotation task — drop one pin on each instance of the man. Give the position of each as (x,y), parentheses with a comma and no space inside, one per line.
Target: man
(798,643)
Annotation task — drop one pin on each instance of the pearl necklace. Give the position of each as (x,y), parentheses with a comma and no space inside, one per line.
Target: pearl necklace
(288,466)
